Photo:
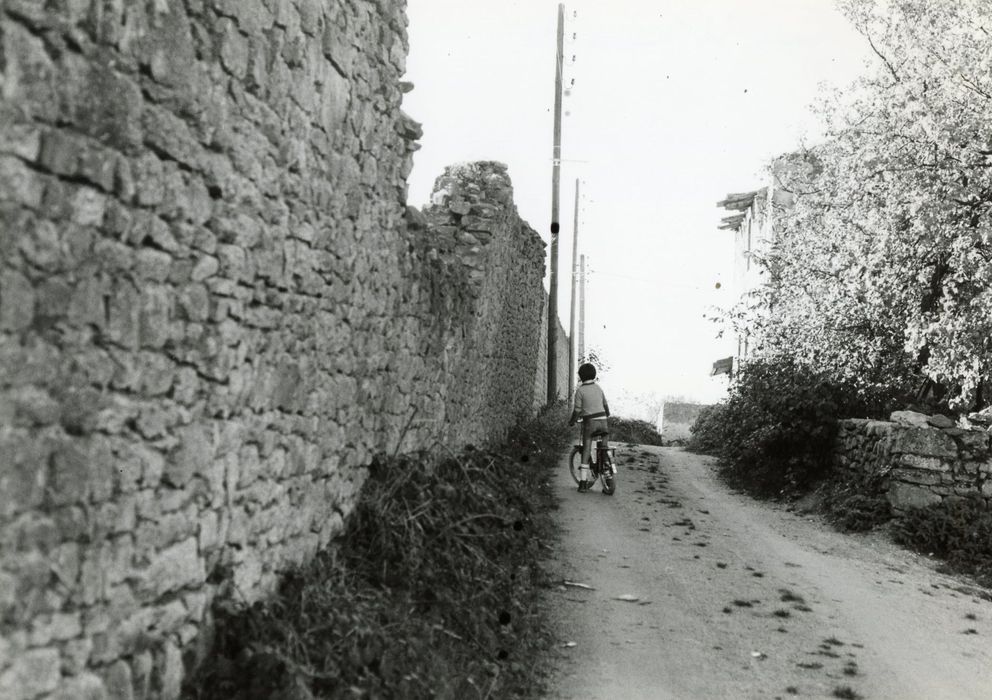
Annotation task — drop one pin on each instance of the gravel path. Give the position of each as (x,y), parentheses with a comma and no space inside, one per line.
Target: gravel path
(741,599)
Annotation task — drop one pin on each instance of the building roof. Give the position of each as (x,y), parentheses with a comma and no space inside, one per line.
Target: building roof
(738,202)
(731,223)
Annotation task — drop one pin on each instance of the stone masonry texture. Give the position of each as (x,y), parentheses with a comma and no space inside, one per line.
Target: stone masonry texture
(562,372)
(215,309)
(918,460)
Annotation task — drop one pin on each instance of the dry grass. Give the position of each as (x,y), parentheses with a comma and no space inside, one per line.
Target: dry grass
(432,592)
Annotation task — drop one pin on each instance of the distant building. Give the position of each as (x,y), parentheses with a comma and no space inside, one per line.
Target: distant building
(676,418)
(753,221)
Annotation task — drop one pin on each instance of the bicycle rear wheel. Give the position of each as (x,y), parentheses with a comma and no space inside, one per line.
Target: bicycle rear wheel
(609,477)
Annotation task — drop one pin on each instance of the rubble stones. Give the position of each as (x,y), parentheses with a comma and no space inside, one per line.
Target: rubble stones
(983,417)
(910,418)
(925,442)
(940,421)
(17,298)
(904,496)
(86,686)
(175,567)
(31,674)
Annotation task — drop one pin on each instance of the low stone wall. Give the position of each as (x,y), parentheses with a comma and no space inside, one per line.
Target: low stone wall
(919,459)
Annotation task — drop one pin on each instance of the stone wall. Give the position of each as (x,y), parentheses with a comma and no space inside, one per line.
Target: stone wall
(474,222)
(563,371)
(920,460)
(215,308)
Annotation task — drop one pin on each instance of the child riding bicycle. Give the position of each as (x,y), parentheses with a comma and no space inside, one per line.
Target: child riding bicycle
(592,408)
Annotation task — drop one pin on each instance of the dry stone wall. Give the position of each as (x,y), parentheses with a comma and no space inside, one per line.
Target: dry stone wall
(215,308)
(473,220)
(562,372)
(919,460)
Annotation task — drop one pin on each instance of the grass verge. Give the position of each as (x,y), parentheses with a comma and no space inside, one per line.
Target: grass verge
(855,504)
(432,592)
(774,438)
(959,531)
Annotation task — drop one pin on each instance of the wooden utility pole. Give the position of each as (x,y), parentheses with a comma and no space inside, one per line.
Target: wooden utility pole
(555,177)
(582,307)
(571,312)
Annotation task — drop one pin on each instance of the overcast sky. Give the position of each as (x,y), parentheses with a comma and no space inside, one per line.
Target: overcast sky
(675,104)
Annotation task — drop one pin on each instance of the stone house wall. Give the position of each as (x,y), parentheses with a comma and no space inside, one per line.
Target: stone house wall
(215,308)
(919,460)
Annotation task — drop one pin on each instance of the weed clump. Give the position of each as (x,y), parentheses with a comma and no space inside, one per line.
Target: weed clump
(856,503)
(432,591)
(957,530)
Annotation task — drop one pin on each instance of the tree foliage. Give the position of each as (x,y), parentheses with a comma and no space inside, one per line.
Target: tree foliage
(595,357)
(775,432)
(881,267)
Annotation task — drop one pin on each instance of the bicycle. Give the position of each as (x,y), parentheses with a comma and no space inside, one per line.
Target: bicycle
(603,466)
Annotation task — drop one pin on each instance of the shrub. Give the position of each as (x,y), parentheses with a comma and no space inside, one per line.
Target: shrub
(958,530)
(433,590)
(775,431)
(632,430)
(707,430)
(856,504)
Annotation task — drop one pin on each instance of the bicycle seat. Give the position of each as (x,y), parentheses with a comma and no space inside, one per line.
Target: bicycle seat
(600,433)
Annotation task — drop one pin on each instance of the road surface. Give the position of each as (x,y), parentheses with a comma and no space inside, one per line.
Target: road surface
(742,599)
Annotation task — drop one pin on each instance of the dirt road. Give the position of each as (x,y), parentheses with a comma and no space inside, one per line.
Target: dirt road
(739,599)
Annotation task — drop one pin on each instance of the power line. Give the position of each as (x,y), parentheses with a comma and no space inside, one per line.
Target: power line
(645,280)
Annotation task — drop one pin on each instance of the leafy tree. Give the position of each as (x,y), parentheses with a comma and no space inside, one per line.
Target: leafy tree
(881,267)
(595,357)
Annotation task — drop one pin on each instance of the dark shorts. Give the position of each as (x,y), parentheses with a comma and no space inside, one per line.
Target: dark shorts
(589,426)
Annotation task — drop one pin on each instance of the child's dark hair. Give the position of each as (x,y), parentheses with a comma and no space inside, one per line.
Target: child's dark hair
(587,372)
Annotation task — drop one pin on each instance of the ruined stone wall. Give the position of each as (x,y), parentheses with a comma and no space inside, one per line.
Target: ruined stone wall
(473,218)
(469,203)
(919,460)
(215,308)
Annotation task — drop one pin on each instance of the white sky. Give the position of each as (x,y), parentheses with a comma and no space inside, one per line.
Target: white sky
(675,104)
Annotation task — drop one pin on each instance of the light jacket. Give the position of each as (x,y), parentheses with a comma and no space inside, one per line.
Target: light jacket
(590,401)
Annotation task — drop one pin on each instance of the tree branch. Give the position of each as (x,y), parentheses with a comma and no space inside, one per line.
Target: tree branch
(881,56)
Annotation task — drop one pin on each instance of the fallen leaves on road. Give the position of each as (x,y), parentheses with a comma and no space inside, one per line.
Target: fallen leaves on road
(575,584)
